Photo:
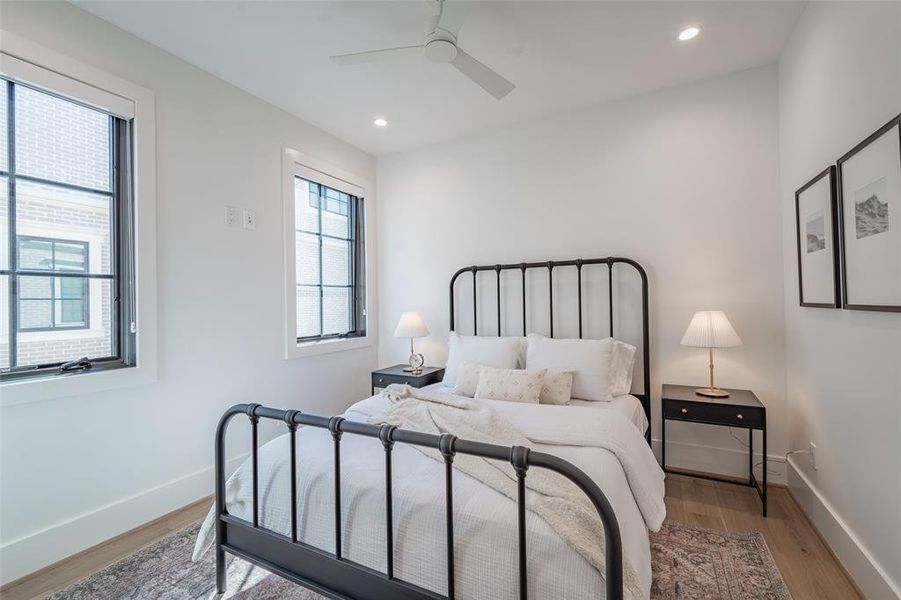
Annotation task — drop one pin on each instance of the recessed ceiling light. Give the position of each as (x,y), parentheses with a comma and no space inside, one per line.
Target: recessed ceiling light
(380,122)
(689,33)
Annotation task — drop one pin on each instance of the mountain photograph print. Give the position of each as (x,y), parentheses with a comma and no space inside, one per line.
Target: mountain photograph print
(871,209)
(869,215)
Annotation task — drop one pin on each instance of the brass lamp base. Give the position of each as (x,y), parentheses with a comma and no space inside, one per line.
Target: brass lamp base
(712,392)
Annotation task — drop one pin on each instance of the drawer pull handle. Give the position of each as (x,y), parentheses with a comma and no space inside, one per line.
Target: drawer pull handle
(684,411)
(381,379)
(740,416)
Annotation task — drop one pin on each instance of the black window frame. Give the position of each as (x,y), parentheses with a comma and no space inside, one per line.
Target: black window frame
(356,262)
(86,296)
(121,275)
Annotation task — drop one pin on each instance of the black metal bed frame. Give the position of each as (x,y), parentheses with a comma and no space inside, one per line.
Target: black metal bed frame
(578,263)
(332,574)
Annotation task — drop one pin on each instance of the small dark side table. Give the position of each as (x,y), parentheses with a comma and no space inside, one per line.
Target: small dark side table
(741,409)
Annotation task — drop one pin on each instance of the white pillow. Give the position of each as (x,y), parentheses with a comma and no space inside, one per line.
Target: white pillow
(467,379)
(599,366)
(498,352)
(512,385)
(557,388)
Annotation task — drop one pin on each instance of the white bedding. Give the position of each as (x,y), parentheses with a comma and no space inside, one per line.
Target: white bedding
(629,406)
(485,520)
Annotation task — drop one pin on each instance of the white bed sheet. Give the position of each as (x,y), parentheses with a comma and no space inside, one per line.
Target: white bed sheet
(629,406)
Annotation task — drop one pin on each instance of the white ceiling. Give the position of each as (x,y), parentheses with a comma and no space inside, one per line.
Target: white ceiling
(561,56)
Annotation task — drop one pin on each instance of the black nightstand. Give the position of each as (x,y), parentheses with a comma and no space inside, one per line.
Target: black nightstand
(396,374)
(741,409)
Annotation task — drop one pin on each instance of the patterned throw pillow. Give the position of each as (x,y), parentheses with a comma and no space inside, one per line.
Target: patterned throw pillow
(467,378)
(513,385)
(558,387)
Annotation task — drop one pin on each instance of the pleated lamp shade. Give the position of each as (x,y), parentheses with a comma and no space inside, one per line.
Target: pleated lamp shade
(710,329)
(411,325)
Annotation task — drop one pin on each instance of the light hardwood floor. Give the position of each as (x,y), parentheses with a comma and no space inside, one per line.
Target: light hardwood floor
(807,565)
(59,575)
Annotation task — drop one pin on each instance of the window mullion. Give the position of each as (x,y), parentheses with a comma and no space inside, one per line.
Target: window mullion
(116,341)
(321,290)
(12,285)
(352,248)
(53,283)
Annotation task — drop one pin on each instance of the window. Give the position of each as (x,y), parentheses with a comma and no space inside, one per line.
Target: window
(329,259)
(53,302)
(335,202)
(66,234)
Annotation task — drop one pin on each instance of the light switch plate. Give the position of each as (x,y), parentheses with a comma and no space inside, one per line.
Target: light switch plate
(231,216)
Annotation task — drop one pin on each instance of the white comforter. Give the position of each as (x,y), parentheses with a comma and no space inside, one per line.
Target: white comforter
(484,520)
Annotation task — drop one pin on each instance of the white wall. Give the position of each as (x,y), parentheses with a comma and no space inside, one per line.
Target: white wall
(79,470)
(840,80)
(684,181)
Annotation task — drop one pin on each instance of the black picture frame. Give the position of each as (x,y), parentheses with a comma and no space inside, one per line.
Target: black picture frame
(895,122)
(836,302)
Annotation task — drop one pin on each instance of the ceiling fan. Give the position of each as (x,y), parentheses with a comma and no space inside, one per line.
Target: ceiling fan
(439,46)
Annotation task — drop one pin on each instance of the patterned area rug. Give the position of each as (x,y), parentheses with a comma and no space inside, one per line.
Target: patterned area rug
(689,563)
(697,563)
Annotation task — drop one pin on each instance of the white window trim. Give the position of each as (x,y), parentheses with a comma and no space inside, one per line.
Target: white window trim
(296,163)
(42,66)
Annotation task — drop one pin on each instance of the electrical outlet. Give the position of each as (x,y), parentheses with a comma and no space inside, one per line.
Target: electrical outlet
(813,456)
(231,216)
(250,219)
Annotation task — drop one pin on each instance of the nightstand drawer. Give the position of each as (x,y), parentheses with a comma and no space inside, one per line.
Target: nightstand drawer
(386,380)
(735,416)
(382,378)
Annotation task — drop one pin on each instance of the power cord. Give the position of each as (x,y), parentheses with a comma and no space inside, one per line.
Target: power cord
(784,458)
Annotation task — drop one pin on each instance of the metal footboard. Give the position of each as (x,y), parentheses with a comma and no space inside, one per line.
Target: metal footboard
(333,575)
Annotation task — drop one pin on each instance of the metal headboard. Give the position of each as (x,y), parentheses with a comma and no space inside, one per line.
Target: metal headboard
(645,396)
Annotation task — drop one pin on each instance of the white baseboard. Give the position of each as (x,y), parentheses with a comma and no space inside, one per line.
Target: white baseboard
(721,461)
(866,571)
(36,550)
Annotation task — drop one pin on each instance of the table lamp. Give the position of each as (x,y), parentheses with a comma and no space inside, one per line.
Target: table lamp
(412,326)
(710,329)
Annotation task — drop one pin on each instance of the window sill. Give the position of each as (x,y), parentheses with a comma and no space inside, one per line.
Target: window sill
(51,387)
(326,347)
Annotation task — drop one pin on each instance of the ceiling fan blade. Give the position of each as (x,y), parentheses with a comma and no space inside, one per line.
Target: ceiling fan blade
(356,58)
(451,16)
(486,78)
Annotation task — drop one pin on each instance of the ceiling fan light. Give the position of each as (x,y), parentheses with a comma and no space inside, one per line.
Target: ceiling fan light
(380,122)
(441,51)
(689,33)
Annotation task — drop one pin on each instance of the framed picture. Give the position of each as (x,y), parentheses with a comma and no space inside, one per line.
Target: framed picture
(816,211)
(869,183)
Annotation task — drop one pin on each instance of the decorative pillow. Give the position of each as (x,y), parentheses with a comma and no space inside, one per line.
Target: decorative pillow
(513,385)
(498,352)
(557,388)
(621,368)
(467,379)
(590,360)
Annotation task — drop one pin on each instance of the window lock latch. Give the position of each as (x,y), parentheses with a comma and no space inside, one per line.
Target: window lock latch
(75,365)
